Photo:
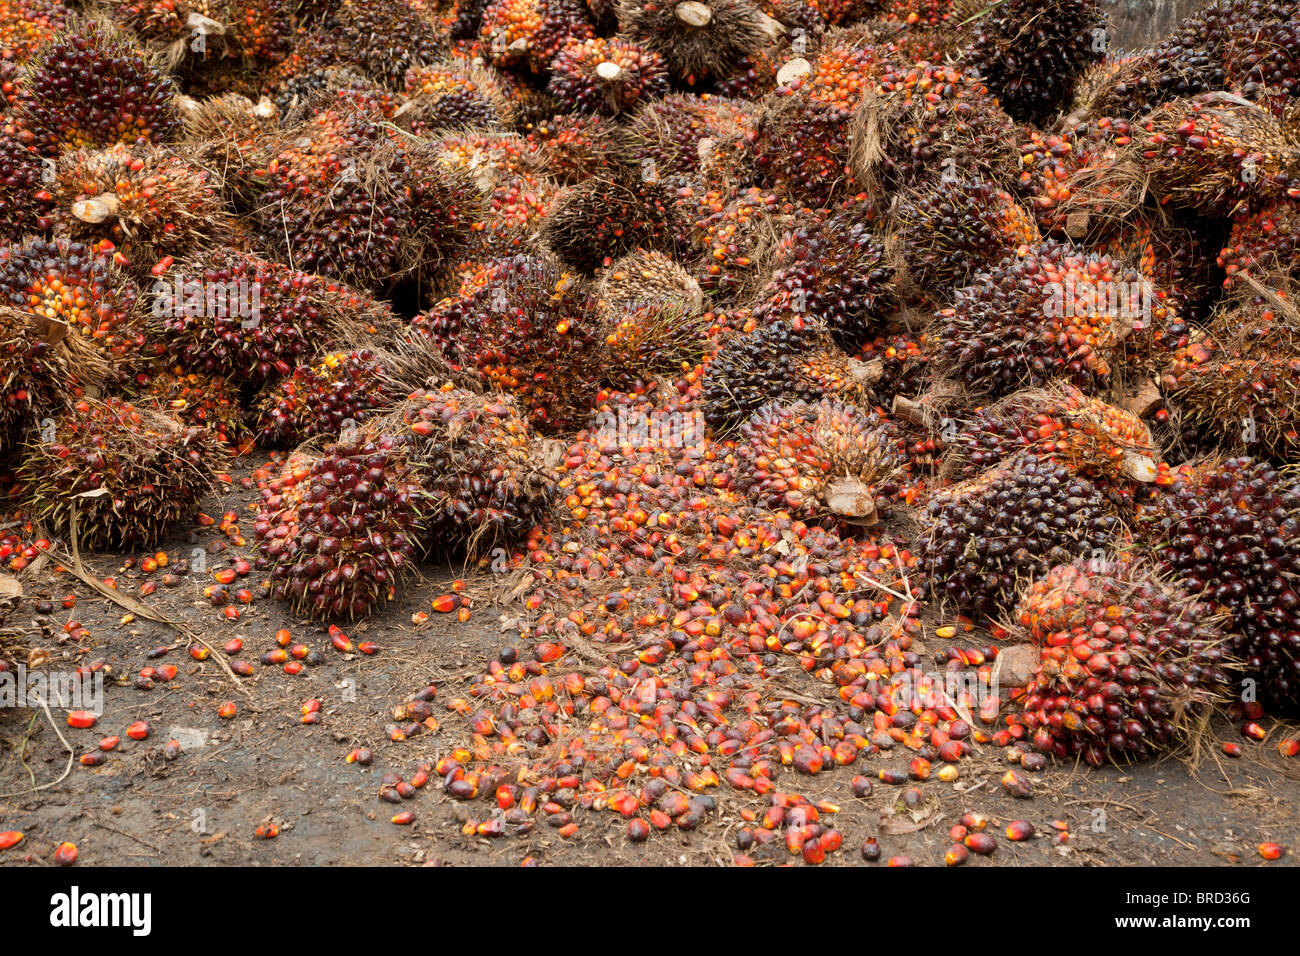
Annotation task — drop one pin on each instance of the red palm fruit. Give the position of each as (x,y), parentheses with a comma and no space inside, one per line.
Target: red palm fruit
(91,87)
(823,461)
(528,34)
(198,399)
(1127,660)
(1264,244)
(129,474)
(336,533)
(605,76)
(26,24)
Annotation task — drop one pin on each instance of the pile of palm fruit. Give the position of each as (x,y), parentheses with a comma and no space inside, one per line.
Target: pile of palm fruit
(750,332)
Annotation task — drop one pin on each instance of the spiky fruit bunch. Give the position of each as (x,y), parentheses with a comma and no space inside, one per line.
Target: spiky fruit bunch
(146,201)
(1094,439)
(325,398)
(24,190)
(42,368)
(1264,243)
(1127,661)
(176,27)
(125,474)
(777,360)
(1213,152)
(387,38)
(651,338)
(1055,312)
(1074,173)
(820,461)
(526,327)
(202,400)
(926,118)
(603,219)
(831,269)
(1265,57)
(529,33)
(1031,52)
(736,239)
(1175,256)
(236,315)
(26,24)
(349,199)
(65,281)
(338,533)
(456,96)
(230,135)
(697,40)
(90,88)
(574,148)
(1230,531)
(1245,395)
(605,76)
(988,536)
(951,228)
(669,131)
(646,276)
(903,363)
(800,146)
(478,463)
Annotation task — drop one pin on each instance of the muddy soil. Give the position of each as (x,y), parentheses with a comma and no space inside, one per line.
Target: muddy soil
(264,765)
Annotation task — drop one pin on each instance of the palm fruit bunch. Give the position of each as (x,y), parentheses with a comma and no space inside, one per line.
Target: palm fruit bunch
(1074,178)
(230,135)
(26,24)
(90,88)
(800,145)
(42,368)
(248,319)
(925,118)
(1265,58)
(574,147)
(736,239)
(646,276)
(651,338)
(1245,395)
(1212,153)
(1105,444)
(528,34)
(601,220)
(325,397)
(24,193)
(1054,312)
(146,201)
(123,475)
(776,360)
(526,327)
(178,28)
(952,227)
(478,463)
(841,12)
(903,362)
(1175,256)
(386,38)
(338,533)
(605,76)
(1031,53)
(65,281)
(200,399)
(988,536)
(348,199)
(1264,244)
(831,269)
(1127,661)
(822,461)
(1229,532)
(668,131)
(454,96)
(697,40)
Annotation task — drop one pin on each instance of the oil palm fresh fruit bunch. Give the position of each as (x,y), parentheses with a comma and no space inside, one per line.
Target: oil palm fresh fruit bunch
(605,76)
(653,337)
(1054,312)
(645,276)
(987,537)
(232,135)
(1227,530)
(91,87)
(1129,661)
(340,390)
(200,399)
(24,190)
(121,476)
(697,40)
(1264,244)
(526,327)
(456,95)
(526,35)
(592,224)
(735,239)
(337,533)
(668,131)
(479,465)
(822,461)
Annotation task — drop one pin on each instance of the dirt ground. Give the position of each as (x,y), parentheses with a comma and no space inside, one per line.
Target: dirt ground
(203,806)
